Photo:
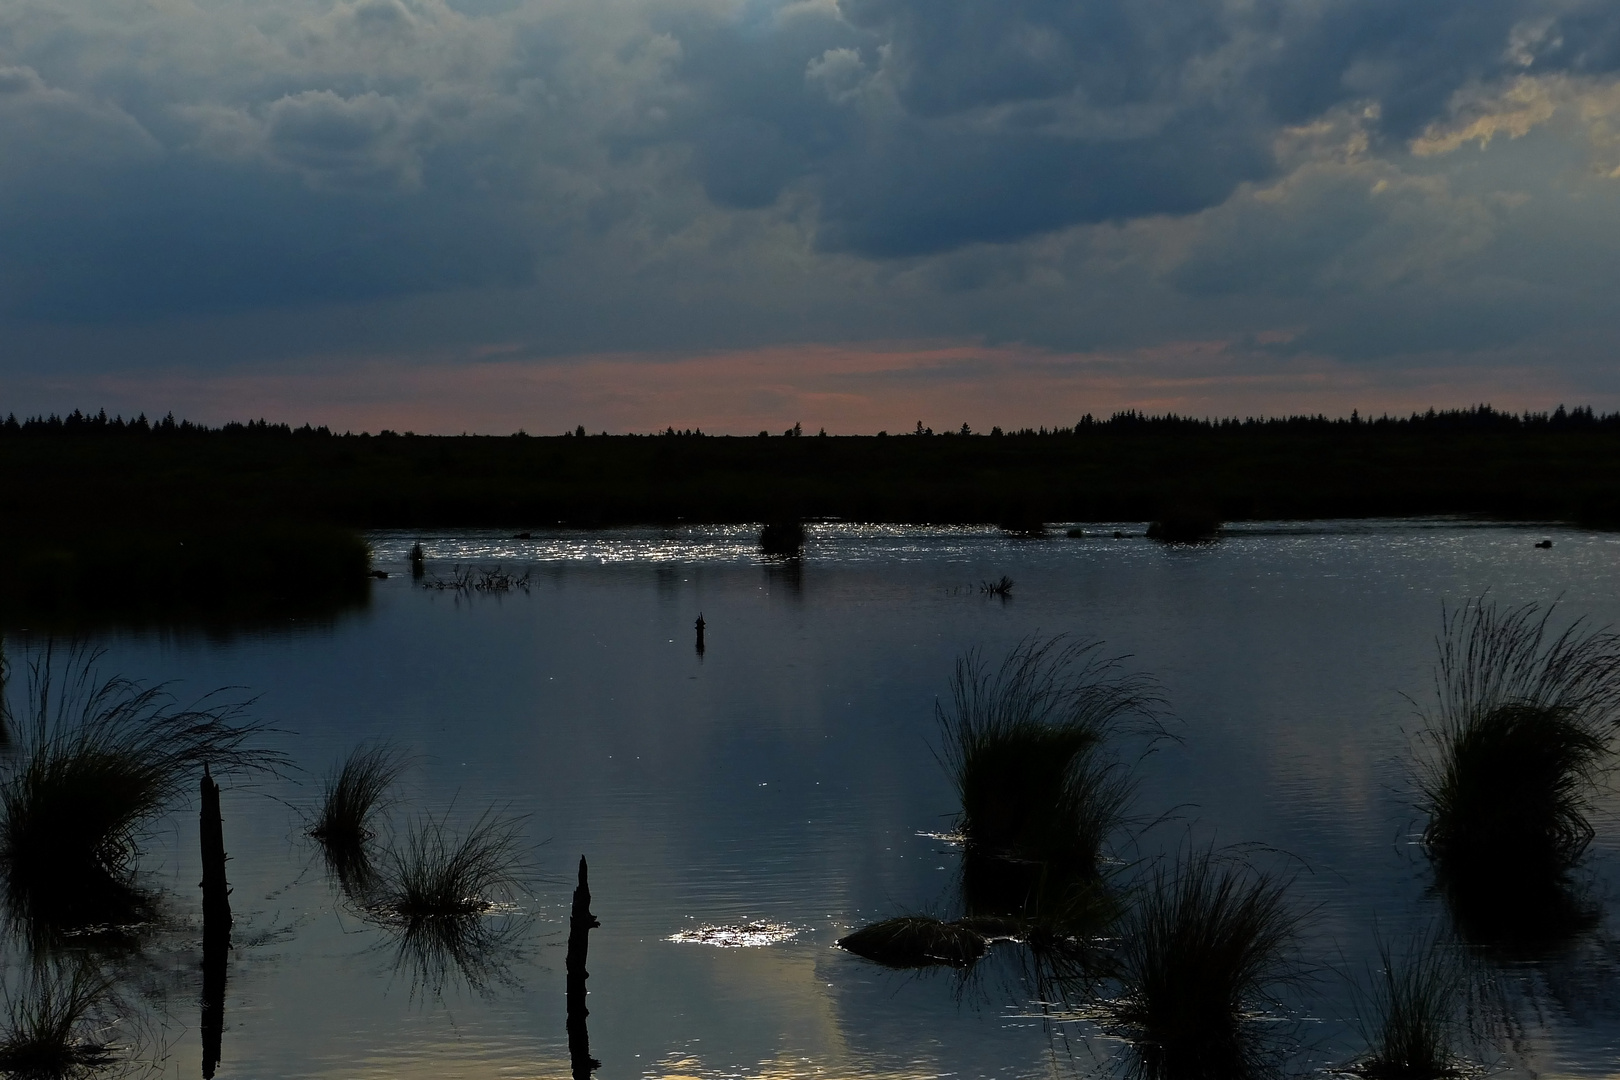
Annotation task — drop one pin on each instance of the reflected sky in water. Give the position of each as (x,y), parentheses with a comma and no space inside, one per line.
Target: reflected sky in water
(787,777)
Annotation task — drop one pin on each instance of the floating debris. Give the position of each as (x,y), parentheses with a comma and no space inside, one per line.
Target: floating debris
(746,936)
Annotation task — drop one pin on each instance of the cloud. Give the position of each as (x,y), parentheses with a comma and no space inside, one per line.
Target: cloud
(1386,180)
(329,140)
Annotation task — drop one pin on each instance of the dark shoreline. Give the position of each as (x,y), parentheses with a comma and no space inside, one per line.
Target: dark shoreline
(67,476)
(136,522)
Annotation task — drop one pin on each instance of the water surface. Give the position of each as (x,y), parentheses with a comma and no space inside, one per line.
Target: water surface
(787,776)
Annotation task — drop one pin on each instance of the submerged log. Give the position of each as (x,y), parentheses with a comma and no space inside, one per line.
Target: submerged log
(580,924)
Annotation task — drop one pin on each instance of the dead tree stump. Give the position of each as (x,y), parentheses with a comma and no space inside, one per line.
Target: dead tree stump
(216,923)
(580,924)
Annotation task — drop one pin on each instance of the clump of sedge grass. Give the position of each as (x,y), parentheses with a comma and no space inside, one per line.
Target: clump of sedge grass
(917,941)
(1001,587)
(471,579)
(51,1025)
(97,759)
(1518,739)
(1185,525)
(354,794)
(1027,746)
(1207,943)
(448,898)
(782,538)
(1413,1016)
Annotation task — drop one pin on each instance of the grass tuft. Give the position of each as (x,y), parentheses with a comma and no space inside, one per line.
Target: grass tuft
(1028,748)
(1518,739)
(1185,525)
(444,895)
(97,759)
(1416,1007)
(50,1026)
(782,538)
(1002,587)
(1206,944)
(471,579)
(354,794)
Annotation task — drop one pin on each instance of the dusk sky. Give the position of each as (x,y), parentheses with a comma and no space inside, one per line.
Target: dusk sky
(488,215)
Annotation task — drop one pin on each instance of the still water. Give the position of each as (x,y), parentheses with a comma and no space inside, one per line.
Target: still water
(787,776)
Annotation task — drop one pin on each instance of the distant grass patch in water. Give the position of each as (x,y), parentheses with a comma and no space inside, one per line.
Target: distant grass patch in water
(354,794)
(782,539)
(51,1025)
(1028,746)
(216,576)
(1520,734)
(1207,943)
(1185,525)
(449,897)
(96,760)
(1414,1016)
(471,579)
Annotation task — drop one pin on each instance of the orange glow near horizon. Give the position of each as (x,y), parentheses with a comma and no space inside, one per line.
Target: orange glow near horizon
(846,389)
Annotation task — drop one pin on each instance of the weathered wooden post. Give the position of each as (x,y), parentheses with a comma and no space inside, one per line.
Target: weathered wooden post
(216,923)
(580,924)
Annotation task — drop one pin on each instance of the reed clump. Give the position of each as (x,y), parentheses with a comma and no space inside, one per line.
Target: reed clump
(917,941)
(448,896)
(1206,944)
(97,759)
(1518,739)
(471,579)
(1185,525)
(356,792)
(50,1029)
(1028,746)
(1414,1013)
(782,538)
(354,795)
(1002,587)
(438,873)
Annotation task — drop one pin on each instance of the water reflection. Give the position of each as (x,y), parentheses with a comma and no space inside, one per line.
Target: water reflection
(786,778)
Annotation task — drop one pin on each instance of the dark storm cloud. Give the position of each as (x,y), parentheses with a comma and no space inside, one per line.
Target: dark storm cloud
(708,171)
(191,240)
(924,125)
(920,128)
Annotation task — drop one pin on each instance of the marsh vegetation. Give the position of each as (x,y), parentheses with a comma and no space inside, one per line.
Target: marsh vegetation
(450,899)
(1518,737)
(97,760)
(1416,1010)
(1208,942)
(473,579)
(783,539)
(1031,748)
(55,1027)
(355,793)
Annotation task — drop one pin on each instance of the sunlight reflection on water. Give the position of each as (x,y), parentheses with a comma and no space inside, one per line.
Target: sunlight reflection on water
(785,780)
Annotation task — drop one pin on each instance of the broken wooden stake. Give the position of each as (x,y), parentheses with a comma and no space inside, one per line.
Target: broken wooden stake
(580,924)
(216,923)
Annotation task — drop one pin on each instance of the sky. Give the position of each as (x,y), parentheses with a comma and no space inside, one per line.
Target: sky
(493,215)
